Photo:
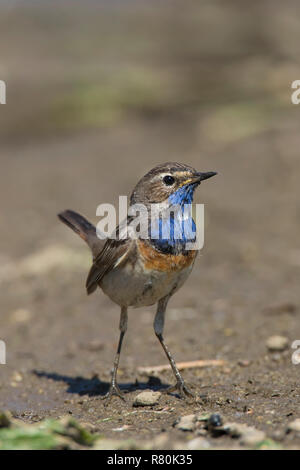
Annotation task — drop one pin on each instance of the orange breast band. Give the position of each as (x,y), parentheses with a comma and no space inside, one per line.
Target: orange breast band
(153,259)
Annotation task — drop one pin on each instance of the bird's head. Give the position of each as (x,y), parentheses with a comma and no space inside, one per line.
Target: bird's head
(173,182)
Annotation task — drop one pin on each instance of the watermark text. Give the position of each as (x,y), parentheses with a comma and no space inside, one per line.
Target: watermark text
(2,92)
(2,352)
(164,222)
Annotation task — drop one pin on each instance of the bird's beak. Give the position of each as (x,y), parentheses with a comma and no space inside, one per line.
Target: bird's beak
(196,178)
(204,176)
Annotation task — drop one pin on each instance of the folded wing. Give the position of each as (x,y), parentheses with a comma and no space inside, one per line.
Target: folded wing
(109,257)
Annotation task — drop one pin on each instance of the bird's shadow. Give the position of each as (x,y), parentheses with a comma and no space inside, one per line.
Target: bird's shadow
(95,387)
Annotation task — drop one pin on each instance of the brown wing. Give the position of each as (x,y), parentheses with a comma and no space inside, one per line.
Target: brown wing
(112,251)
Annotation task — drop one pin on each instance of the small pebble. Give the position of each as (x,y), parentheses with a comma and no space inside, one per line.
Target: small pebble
(186,423)
(249,436)
(17,377)
(21,315)
(236,429)
(147,398)
(244,363)
(276,357)
(294,425)
(215,420)
(252,437)
(277,343)
(277,435)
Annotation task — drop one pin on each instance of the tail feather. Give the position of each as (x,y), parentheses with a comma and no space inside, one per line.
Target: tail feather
(83,228)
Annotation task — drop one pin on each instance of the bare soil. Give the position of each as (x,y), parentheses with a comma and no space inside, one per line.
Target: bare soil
(244,287)
(209,86)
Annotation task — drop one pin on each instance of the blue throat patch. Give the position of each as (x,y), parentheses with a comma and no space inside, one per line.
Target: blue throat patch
(180,230)
(183,195)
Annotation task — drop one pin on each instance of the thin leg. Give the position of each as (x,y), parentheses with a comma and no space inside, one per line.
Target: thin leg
(114,388)
(159,322)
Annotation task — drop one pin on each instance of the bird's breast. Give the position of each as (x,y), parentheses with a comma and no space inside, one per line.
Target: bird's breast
(166,262)
(146,275)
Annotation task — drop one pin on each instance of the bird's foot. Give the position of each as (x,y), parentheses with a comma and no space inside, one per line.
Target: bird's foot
(113,390)
(181,389)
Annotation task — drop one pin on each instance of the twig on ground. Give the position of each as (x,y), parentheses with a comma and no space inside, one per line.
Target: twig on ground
(183,365)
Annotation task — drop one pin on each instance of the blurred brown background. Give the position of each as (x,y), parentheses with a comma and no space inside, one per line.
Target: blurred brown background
(98,92)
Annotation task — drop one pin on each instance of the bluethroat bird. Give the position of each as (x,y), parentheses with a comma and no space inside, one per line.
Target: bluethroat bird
(136,271)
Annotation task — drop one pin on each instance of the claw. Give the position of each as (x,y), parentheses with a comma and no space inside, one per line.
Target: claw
(182,390)
(113,390)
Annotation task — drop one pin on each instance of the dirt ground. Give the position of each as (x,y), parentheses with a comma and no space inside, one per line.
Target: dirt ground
(244,287)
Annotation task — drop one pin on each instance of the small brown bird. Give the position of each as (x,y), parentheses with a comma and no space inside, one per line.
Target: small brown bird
(136,271)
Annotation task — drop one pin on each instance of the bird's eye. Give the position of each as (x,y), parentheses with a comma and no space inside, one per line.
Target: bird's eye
(169,180)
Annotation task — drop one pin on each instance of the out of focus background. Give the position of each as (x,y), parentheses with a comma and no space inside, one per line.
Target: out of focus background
(99,92)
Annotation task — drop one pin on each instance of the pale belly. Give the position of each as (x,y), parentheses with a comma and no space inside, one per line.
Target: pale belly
(136,286)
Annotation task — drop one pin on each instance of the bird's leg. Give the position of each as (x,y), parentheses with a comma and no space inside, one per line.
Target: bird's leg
(114,388)
(159,321)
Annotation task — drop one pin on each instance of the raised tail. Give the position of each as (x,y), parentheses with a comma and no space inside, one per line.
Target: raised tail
(83,228)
